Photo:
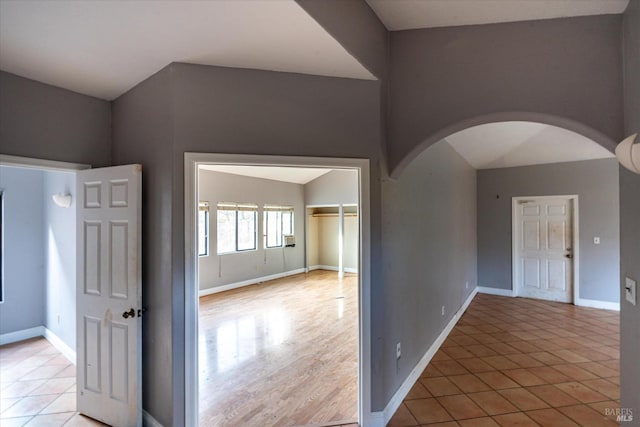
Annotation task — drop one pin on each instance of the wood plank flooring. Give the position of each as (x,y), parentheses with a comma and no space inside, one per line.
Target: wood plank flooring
(281,353)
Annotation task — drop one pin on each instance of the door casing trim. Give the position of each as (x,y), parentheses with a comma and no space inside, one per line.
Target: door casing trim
(191,162)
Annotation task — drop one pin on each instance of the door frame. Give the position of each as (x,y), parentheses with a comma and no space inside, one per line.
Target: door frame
(191,163)
(575,236)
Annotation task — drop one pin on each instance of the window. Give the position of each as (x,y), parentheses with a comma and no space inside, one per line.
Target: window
(278,221)
(203,228)
(236,227)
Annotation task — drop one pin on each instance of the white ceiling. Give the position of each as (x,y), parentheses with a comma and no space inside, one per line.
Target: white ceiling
(103,48)
(408,14)
(277,173)
(508,144)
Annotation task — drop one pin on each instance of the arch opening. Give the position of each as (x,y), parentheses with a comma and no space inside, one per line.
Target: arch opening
(527,125)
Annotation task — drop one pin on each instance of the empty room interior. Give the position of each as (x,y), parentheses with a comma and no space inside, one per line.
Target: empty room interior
(319,213)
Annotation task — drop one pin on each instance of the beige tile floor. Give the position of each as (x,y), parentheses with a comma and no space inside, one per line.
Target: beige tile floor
(38,387)
(524,362)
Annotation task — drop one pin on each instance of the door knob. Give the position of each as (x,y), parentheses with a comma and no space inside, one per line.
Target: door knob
(569,256)
(130,313)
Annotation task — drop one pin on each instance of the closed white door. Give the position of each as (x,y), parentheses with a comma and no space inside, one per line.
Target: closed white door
(543,242)
(109,295)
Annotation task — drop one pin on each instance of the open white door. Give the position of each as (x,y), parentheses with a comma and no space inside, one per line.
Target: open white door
(109,294)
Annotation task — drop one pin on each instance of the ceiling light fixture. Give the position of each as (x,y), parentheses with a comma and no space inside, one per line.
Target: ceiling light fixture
(628,153)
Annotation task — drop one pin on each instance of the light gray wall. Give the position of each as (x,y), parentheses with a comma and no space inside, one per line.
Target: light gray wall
(629,223)
(24,263)
(441,77)
(224,110)
(335,187)
(596,184)
(217,270)
(429,253)
(59,245)
(47,122)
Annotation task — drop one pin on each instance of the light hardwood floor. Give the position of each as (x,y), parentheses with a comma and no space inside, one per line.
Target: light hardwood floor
(281,353)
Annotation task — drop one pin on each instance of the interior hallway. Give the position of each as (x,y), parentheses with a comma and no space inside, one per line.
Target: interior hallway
(280,353)
(525,362)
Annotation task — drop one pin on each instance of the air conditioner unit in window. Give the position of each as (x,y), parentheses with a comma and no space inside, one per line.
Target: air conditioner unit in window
(289,240)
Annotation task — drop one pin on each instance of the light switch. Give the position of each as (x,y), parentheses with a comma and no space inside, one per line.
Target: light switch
(630,290)
(596,240)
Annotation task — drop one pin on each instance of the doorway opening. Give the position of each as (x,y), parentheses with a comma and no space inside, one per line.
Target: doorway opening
(38,283)
(252,313)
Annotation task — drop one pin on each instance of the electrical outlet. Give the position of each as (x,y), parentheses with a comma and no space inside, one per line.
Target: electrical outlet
(630,290)
(596,240)
(466,285)
(58,319)
(398,351)
(443,310)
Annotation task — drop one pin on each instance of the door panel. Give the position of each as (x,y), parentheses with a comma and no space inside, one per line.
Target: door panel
(110,295)
(544,249)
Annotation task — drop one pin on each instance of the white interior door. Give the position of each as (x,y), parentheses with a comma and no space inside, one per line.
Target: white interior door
(543,242)
(109,294)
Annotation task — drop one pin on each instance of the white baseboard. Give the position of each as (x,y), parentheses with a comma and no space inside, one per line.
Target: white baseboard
(401,393)
(236,285)
(495,291)
(21,335)
(149,421)
(60,345)
(606,305)
(333,268)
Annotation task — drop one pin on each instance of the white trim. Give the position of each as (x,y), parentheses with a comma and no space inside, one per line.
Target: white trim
(24,334)
(407,384)
(495,291)
(332,268)
(149,421)
(28,162)
(575,236)
(191,162)
(60,345)
(606,305)
(222,288)
(40,331)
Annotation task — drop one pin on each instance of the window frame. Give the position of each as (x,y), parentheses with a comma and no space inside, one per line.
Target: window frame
(237,207)
(281,210)
(204,207)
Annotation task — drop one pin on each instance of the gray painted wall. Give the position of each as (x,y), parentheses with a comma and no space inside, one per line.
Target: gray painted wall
(214,109)
(356,27)
(596,184)
(429,252)
(59,245)
(47,122)
(335,187)
(629,224)
(24,263)
(217,270)
(440,77)
(142,133)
